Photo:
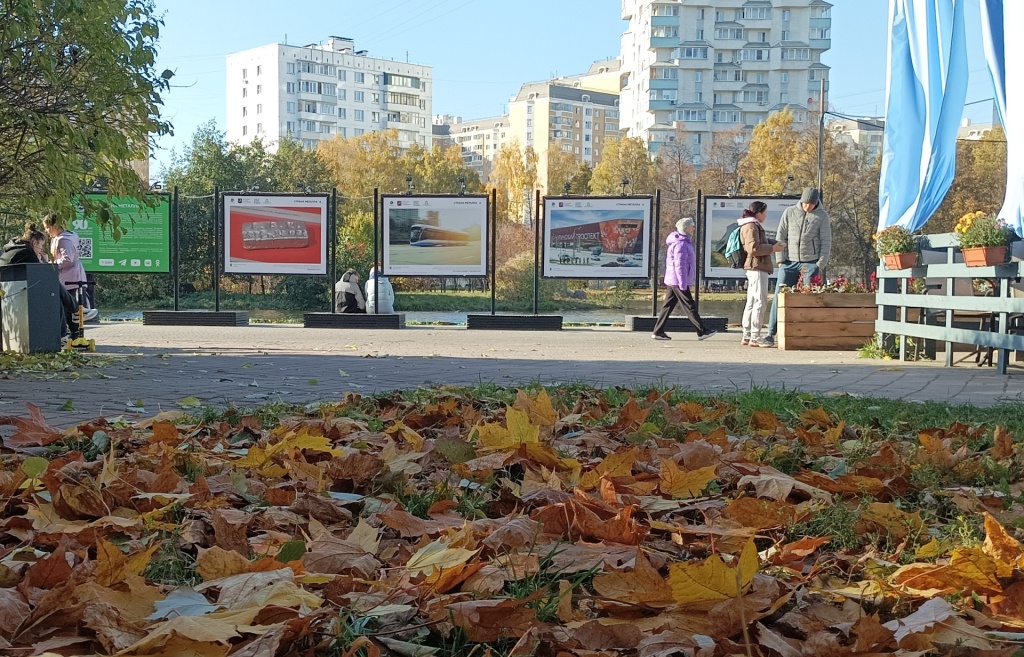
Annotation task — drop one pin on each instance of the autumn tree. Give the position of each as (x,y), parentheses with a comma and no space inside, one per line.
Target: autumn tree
(515,177)
(79,99)
(676,178)
(720,163)
(358,165)
(624,158)
(776,148)
(437,171)
(979,183)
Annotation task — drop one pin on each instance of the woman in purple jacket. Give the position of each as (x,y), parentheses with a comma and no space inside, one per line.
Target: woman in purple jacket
(680,274)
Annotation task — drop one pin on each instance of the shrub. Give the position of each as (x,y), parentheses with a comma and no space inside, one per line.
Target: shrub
(980,229)
(895,239)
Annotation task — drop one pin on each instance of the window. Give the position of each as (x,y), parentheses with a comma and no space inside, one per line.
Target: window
(359,96)
(755,96)
(343,132)
(665,31)
(358,132)
(567,148)
(245,130)
(719,16)
(359,115)
(698,76)
(529,136)
(259,69)
(824,12)
(700,35)
(289,106)
(245,111)
(786,14)
(698,97)
(529,109)
(289,127)
(760,78)
(326,108)
(718,99)
(811,75)
(700,14)
(376,80)
(375,98)
(784,97)
(693,53)
(725,117)
(821,33)
(785,35)
(259,128)
(375,117)
(729,33)
(586,151)
(259,108)
(342,75)
(342,95)
(800,116)
(762,37)
(360,78)
(289,87)
(663,94)
(756,13)
(785,78)
(666,10)
(245,74)
(586,137)
(245,91)
(720,57)
(587,125)
(259,89)
(308,126)
(308,107)
(796,53)
(698,139)
(341,113)
(529,123)
(692,115)
(307,67)
(755,54)
(290,67)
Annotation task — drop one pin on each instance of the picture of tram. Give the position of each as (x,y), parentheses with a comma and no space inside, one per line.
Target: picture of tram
(427,235)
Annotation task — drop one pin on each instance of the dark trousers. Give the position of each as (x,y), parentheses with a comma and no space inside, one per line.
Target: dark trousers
(674,296)
(69,310)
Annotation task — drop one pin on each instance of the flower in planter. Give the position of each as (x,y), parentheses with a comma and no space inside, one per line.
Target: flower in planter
(895,239)
(982,229)
(836,285)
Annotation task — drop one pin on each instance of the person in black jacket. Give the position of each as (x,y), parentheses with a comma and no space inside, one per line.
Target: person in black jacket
(31,248)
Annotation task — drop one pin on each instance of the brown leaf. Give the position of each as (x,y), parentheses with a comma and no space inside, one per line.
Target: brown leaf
(489,620)
(331,555)
(641,585)
(14,610)
(30,431)
(667,644)
(217,562)
(576,522)
(871,635)
(230,530)
(1004,445)
(1004,549)
(885,518)
(798,550)
(759,513)
(606,634)
(49,572)
(926,617)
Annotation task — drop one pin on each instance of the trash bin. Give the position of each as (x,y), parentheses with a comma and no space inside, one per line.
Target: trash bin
(30,309)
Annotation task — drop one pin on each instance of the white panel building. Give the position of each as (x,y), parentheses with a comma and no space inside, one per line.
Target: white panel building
(315,92)
(693,67)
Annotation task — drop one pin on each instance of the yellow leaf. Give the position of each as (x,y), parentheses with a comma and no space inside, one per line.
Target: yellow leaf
(414,439)
(365,536)
(896,523)
(519,431)
(540,410)
(681,483)
(217,562)
(816,416)
(619,464)
(437,555)
(1004,549)
(932,549)
(713,580)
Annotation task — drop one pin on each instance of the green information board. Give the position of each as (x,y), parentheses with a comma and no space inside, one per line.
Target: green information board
(144,247)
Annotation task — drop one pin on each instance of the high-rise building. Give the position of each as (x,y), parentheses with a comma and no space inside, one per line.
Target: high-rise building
(315,92)
(480,140)
(692,68)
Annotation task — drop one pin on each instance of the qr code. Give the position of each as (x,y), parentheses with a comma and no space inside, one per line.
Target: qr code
(85,248)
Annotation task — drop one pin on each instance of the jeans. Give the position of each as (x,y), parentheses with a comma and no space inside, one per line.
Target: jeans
(753,311)
(789,274)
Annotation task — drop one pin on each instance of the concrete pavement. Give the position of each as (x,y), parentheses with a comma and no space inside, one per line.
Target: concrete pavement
(260,363)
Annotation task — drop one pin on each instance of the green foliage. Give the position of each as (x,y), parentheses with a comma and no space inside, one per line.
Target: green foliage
(515,282)
(79,98)
(895,239)
(980,229)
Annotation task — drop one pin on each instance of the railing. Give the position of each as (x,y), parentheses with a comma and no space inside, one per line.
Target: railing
(998,316)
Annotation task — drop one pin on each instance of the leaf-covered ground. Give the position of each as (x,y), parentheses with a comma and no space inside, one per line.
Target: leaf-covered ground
(571,522)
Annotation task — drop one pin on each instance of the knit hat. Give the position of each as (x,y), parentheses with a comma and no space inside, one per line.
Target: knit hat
(811,195)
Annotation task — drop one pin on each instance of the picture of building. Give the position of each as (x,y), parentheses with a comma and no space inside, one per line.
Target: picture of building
(597,237)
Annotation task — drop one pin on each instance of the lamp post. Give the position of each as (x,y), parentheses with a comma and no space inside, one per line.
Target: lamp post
(625,184)
(462,185)
(566,188)
(409,183)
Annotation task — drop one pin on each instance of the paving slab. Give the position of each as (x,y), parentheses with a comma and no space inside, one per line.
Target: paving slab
(253,365)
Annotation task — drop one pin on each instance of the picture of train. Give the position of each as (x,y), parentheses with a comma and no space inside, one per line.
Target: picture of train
(427,235)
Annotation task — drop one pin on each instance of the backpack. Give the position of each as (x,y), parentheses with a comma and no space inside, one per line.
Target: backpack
(734,250)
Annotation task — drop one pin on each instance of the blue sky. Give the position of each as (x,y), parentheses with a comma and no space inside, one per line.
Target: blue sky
(481,50)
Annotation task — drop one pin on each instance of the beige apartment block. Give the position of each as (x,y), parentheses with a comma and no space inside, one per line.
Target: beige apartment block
(480,140)
(322,90)
(692,68)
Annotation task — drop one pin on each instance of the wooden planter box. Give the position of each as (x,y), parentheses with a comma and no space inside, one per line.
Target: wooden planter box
(826,321)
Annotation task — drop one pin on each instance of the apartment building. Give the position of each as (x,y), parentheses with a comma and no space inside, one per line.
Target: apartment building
(865,132)
(321,90)
(480,140)
(573,119)
(692,68)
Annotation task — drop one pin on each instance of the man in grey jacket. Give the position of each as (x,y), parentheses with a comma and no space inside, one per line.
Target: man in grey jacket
(807,232)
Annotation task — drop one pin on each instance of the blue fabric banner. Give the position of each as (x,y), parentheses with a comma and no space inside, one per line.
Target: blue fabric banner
(926,88)
(1006,63)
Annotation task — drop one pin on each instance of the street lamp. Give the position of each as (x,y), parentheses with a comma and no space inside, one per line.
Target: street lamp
(625,184)
(567,187)
(408,181)
(462,185)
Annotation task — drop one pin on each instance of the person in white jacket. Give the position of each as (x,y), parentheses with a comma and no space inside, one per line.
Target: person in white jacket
(384,295)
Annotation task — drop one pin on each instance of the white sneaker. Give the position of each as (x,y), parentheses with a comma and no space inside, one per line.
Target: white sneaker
(89,314)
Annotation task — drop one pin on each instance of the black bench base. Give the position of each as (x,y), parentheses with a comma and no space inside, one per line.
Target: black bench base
(353,321)
(514,322)
(675,324)
(195,318)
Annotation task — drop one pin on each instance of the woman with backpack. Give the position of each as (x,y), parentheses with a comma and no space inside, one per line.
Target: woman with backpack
(758,266)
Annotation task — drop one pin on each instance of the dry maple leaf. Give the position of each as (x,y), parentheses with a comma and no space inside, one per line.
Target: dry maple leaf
(30,431)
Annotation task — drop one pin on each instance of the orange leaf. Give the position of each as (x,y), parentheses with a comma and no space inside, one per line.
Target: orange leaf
(761,514)
(1004,549)
(217,562)
(489,620)
(30,431)
(1004,445)
(713,579)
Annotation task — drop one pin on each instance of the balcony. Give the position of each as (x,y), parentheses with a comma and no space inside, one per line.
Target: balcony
(663,42)
(820,44)
(664,21)
(655,105)
(664,83)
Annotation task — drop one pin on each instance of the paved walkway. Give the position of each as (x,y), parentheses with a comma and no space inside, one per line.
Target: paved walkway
(257,364)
